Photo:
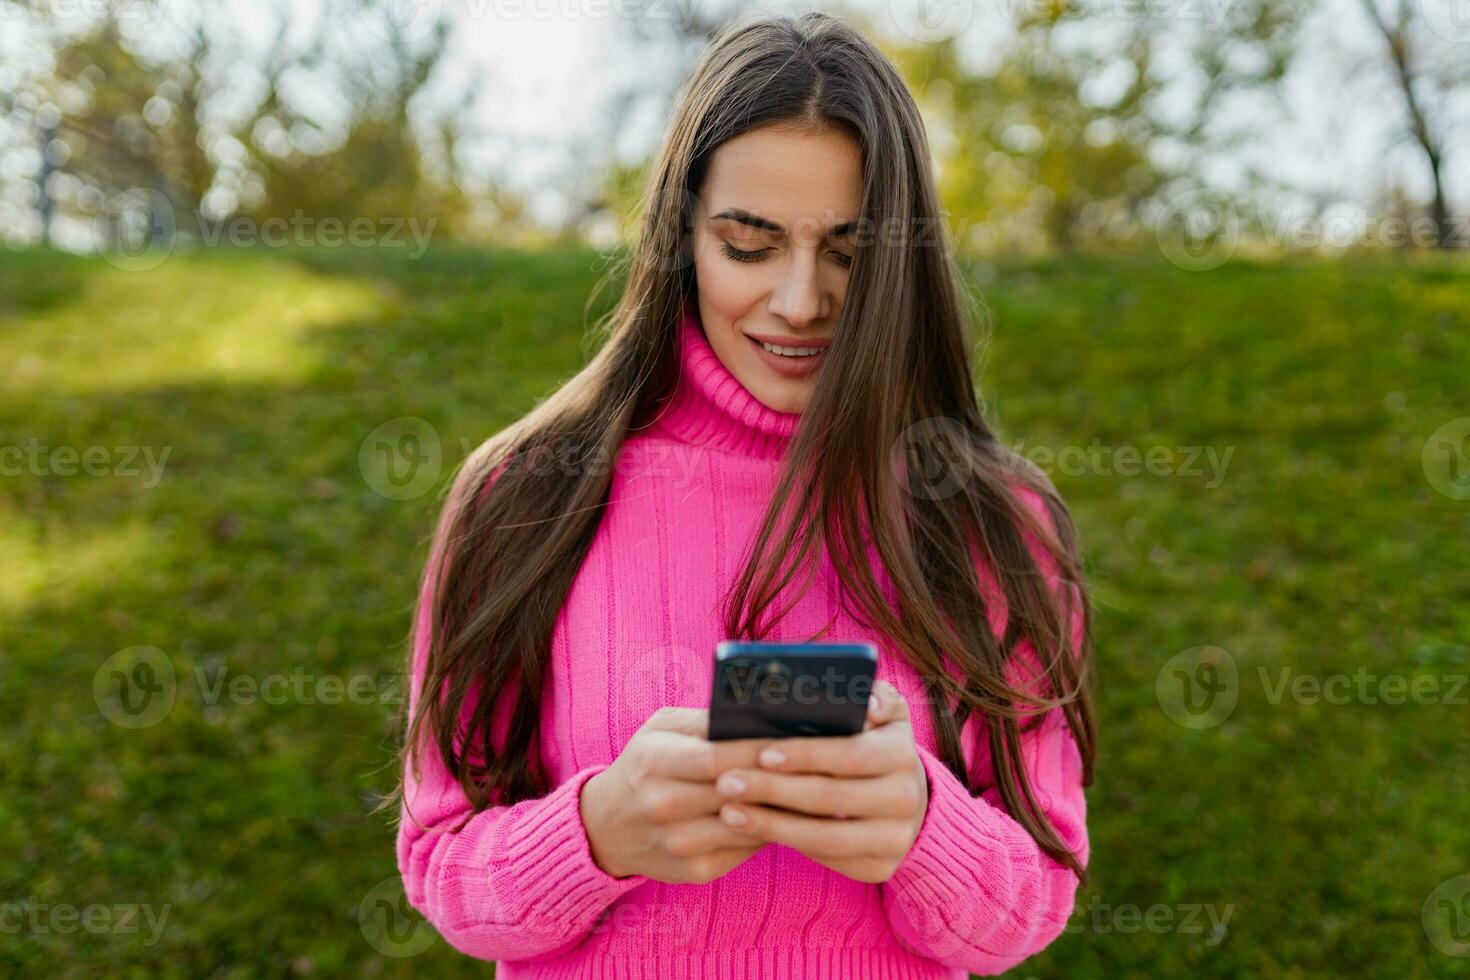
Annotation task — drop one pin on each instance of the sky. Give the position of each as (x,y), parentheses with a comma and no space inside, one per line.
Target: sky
(544,71)
(1327,136)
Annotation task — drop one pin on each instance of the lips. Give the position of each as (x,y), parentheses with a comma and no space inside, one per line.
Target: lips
(788,365)
(801,342)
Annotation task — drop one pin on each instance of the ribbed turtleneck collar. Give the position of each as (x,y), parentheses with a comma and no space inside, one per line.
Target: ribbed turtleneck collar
(709,405)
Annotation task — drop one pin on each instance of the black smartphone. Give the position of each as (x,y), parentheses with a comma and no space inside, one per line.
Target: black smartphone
(775,690)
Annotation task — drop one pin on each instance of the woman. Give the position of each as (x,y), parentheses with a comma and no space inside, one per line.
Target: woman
(752,453)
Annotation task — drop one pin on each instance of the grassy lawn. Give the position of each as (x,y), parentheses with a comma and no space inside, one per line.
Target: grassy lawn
(1286,519)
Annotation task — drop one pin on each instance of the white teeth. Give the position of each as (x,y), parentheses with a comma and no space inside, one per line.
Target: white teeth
(792,351)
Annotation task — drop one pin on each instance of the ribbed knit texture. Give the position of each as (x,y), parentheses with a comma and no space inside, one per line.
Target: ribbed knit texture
(517,884)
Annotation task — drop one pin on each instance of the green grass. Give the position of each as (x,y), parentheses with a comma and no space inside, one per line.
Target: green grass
(1321,547)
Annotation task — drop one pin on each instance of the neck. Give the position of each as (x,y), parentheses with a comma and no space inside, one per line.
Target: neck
(710,407)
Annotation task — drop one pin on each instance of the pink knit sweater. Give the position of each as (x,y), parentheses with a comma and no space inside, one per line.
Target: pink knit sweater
(638,630)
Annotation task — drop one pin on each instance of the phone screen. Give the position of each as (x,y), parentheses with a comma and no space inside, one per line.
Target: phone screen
(776,690)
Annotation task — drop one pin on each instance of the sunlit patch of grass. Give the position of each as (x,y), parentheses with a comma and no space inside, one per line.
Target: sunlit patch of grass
(194,318)
(41,567)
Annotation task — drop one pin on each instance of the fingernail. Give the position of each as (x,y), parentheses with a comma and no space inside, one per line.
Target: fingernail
(734,816)
(772,757)
(730,783)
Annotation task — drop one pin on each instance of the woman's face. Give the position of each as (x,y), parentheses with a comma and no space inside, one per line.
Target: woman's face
(774,228)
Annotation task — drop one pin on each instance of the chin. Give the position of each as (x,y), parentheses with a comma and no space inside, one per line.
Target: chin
(782,399)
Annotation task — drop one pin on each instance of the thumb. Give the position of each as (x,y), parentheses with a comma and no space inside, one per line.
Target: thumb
(885,705)
(685,720)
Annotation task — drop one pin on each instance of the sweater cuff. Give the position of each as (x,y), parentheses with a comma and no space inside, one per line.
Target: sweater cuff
(935,884)
(547,863)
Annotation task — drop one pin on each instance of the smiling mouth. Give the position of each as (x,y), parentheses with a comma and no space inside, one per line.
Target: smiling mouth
(793,352)
(790,361)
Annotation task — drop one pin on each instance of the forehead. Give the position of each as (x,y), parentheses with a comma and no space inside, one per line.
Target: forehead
(798,178)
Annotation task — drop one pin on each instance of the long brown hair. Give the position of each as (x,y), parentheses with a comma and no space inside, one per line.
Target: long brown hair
(894,405)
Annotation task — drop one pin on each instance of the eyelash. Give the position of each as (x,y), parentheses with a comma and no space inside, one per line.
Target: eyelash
(740,255)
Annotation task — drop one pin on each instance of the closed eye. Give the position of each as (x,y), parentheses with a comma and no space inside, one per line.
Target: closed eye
(740,254)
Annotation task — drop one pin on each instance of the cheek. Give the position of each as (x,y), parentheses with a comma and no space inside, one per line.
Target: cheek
(729,288)
(833,279)
(836,284)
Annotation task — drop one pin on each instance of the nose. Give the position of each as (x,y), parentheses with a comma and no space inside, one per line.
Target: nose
(797,298)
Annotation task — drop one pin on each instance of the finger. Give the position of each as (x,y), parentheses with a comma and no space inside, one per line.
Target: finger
(680,756)
(874,752)
(817,836)
(704,834)
(684,720)
(673,801)
(892,796)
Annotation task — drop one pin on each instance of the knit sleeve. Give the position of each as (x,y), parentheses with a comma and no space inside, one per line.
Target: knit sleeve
(509,882)
(976,891)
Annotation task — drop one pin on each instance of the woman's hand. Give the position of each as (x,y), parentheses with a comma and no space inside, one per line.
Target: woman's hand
(860,799)
(655,810)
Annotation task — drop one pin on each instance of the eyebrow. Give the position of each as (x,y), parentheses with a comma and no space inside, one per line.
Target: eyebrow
(756,221)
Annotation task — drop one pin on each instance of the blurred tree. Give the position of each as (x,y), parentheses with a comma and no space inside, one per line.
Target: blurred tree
(1059,143)
(151,132)
(122,142)
(363,158)
(604,203)
(1430,73)
(123,147)
(1032,157)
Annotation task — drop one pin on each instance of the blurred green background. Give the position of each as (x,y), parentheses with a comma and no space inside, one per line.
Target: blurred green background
(1264,439)
(265,550)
